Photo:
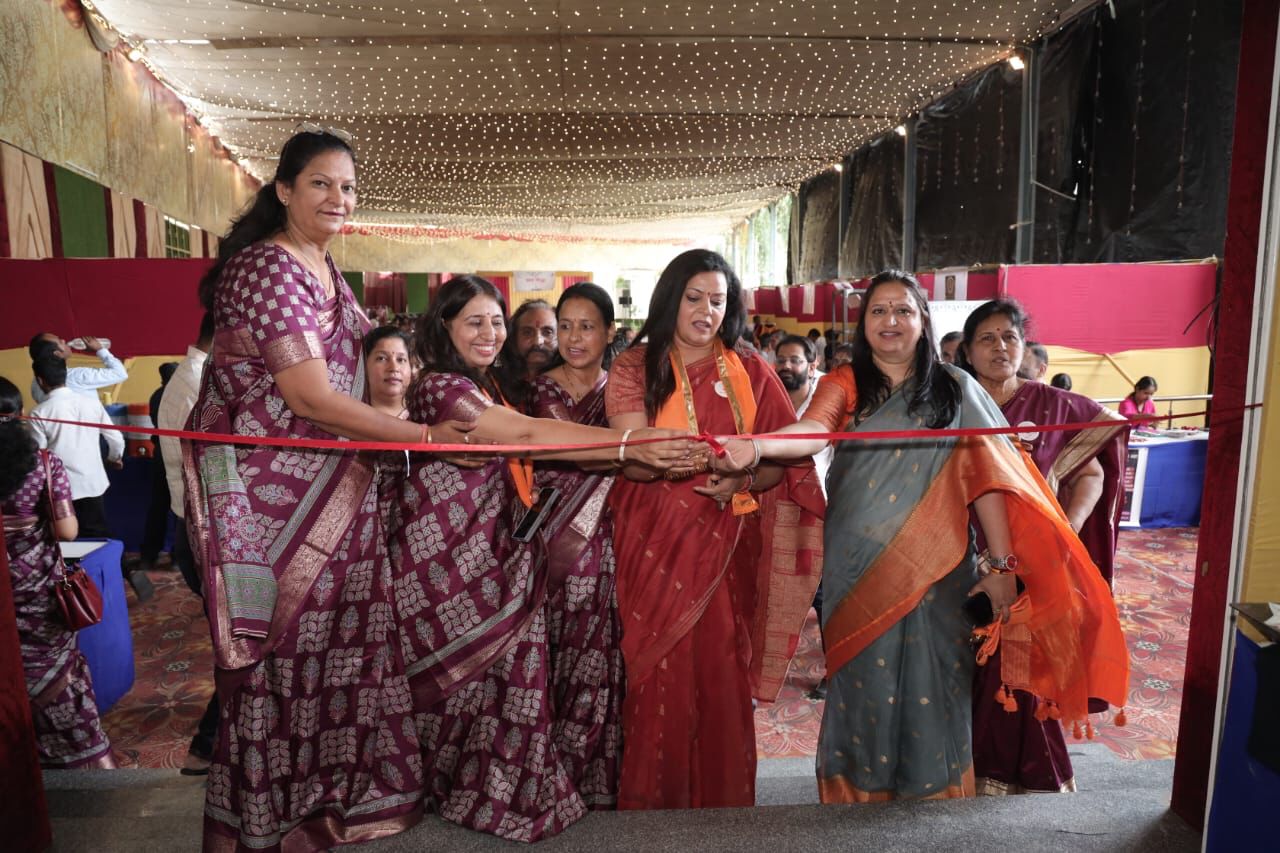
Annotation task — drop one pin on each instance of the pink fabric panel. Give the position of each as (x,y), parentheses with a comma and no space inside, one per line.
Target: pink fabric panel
(768,301)
(1115,307)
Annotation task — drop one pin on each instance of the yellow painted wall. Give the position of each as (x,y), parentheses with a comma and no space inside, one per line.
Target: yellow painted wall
(1178,371)
(144,375)
(1262,551)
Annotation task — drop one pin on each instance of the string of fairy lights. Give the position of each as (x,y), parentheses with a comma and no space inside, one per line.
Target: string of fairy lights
(556,111)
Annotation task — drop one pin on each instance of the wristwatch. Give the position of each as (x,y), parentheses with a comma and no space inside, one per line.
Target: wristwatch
(1003,565)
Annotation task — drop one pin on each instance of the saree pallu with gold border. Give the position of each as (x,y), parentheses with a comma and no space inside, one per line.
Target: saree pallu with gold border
(316,744)
(901,559)
(582,606)
(711,603)
(1014,751)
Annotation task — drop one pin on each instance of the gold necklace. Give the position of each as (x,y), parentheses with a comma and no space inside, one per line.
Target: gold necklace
(571,386)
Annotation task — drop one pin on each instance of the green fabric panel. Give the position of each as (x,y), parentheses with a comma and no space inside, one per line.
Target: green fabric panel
(355,280)
(82,215)
(416,289)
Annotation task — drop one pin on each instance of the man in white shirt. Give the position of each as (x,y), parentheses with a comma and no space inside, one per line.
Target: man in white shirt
(176,403)
(81,380)
(78,448)
(175,406)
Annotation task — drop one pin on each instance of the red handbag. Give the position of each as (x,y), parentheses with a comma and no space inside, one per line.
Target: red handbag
(78,599)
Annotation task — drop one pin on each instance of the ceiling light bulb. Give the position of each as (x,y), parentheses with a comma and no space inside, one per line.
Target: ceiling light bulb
(901,130)
(134,54)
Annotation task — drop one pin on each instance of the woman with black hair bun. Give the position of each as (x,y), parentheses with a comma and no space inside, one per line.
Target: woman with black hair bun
(582,603)
(316,743)
(35,500)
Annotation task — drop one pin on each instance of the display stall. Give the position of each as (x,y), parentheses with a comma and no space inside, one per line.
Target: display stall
(1163,481)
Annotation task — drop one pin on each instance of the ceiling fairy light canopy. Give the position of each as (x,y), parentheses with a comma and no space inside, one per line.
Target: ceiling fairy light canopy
(638,118)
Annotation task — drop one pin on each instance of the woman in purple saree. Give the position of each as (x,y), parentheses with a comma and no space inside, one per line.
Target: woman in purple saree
(1013,752)
(35,499)
(471,600)
(582,602)
(316,744)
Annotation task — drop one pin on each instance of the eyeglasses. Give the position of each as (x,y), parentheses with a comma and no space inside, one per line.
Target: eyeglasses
(312,127)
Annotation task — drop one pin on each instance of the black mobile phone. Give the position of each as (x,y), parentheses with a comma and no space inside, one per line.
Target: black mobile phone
(535,515)
(978,610)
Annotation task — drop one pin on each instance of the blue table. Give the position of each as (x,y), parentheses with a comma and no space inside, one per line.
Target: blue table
(108,646)
(1164,481)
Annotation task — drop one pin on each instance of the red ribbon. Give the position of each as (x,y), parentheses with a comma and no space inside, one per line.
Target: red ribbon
(713,441)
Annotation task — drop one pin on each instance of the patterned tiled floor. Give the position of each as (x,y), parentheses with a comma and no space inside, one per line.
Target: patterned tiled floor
(1154,575)
(152,725)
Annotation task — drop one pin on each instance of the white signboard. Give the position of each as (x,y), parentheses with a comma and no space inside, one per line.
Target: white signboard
(950,316)
(534,281)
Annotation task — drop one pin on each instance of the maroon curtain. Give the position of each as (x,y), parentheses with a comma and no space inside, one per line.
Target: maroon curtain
(24,815)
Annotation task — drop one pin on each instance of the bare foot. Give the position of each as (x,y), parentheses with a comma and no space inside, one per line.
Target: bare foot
(194,765)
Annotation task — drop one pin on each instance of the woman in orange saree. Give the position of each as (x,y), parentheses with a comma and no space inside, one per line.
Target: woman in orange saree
(712,586)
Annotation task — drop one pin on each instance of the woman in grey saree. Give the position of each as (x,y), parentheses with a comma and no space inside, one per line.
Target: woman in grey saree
(901,560)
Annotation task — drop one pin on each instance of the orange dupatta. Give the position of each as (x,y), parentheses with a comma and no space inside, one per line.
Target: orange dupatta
(1065,645)
(677,411)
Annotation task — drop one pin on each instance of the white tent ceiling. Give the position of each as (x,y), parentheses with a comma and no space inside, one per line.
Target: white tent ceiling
(641,118)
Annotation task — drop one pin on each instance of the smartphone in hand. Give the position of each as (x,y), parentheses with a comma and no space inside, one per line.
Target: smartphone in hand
(535,515)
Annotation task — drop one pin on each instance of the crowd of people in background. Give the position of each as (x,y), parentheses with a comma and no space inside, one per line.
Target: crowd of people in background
(512,639)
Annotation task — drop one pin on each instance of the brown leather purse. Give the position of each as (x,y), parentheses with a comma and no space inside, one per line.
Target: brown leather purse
(78,599)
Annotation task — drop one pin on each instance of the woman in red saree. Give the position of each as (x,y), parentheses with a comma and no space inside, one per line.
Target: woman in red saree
(711,595)
(582,603)
(1013,751)
(472,599)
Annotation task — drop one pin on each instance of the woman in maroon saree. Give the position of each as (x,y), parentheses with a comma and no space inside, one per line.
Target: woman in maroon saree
(472,600)
(711,597)
(582,604)
(35,500)
(316,744)
(1013,752)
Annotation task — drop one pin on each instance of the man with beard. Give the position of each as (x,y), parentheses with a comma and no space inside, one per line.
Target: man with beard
(798,369)
(532,342)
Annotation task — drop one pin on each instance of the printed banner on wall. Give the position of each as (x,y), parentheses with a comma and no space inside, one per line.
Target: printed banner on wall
(534,281)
